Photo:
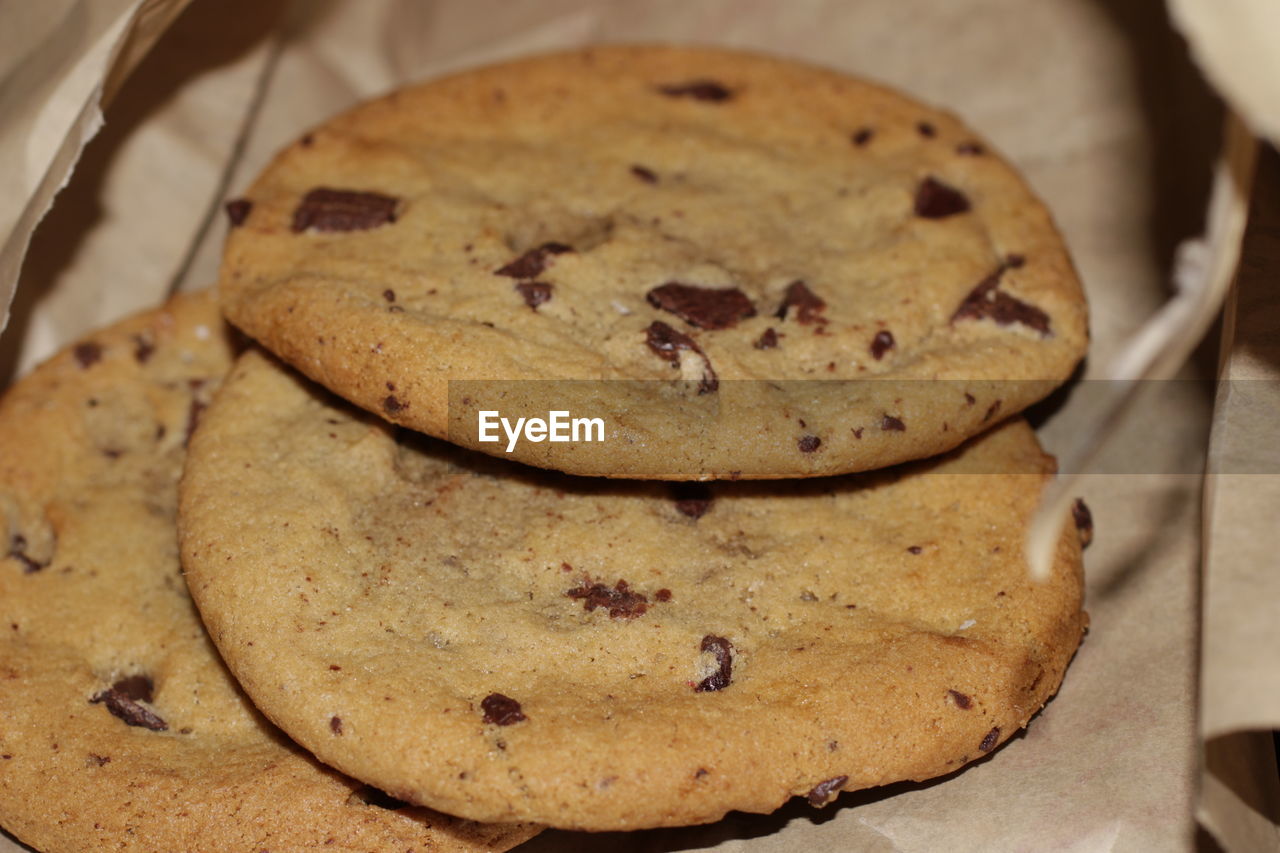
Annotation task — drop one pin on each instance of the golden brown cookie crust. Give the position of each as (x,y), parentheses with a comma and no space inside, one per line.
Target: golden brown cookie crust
(535,220)
(91,596)
(503,643)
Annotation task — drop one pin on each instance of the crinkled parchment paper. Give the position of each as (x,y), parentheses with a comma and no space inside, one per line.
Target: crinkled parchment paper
(1095,100)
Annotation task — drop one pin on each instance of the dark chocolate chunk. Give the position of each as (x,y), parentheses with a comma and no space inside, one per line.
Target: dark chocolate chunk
(704,307)
(621,601)
(692,499)
(389,295)
(122,701)
(989,742)
(891,424)
(824,792)
(143,348)
(699,90)
(915,549)
(392,405)
(768,340)
(646,175)
(87,354)
(1084,522)
(722,650)
(863,136)
(936,200)
(926,129)
(1015,261)
(807,303)
(534,292)
(808,443)
(501,710)
(986,300)
(881,344)
(662,595)
(532,263)
(962,701)
(335,725)
(666,343)
(992,410)
(371,796)
(18,551)
(969,399)
(238,211)
(325,209)
(970,149)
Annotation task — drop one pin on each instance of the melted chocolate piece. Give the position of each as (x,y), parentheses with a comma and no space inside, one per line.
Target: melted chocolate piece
(122,701)
(18,551)
(1084,522)
(534,292)
(992,411)
(891,424)
(989,302)
(692,499)
(722,649)
(962,701)
(662,595)
(238,211)
(666,343)
(389,295)
(335,725)
(699,90)
(392,405)
(194,410)
(989,742)
(325,209)
(621,602)
(501,710)
(927,130)
(703,307)
(646,175)
(808,443)
(807,303)
(915,549)
(143,348)
(824,792)
(87,354)
(768,340)
(532,263)
(881,344)
(936,200)
(863,136)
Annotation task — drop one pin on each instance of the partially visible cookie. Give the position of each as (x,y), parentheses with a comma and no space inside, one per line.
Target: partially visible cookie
(657,213)
(119,727)
(505,643)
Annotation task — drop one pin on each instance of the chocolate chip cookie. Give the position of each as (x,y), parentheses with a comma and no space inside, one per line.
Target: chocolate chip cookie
(119,727)
(506,643)
(838,278)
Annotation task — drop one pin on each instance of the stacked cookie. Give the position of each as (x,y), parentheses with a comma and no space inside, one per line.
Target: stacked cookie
(758,277)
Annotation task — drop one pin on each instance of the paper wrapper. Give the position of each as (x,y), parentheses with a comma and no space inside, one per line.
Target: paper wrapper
(1095,102)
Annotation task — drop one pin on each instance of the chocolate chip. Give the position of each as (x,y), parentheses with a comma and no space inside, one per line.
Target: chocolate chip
(991,411)
(389,295)
(936,200)
(926,130)
(87,354)
(325,209)
(95,760)
(122,701)
(18,551)
(969,399)
(881,344)
(987,301)
(1015,261)
(335,725)
(501,710)
(823,792)
(962,701)
(1084,522)
(534,292)
(699,90)
(863,136)
(392,405)
(808,443)
(970,149)
(857,433)
(532,263)
(704,307)
(989,742)
(646,175)
(621,601)
(807,304)
(662,595)
(891,424)
(667,343)
(722,650)
(915,549)
(768,340)
(238,211)
(142,349)
(371,796)
(692,499)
